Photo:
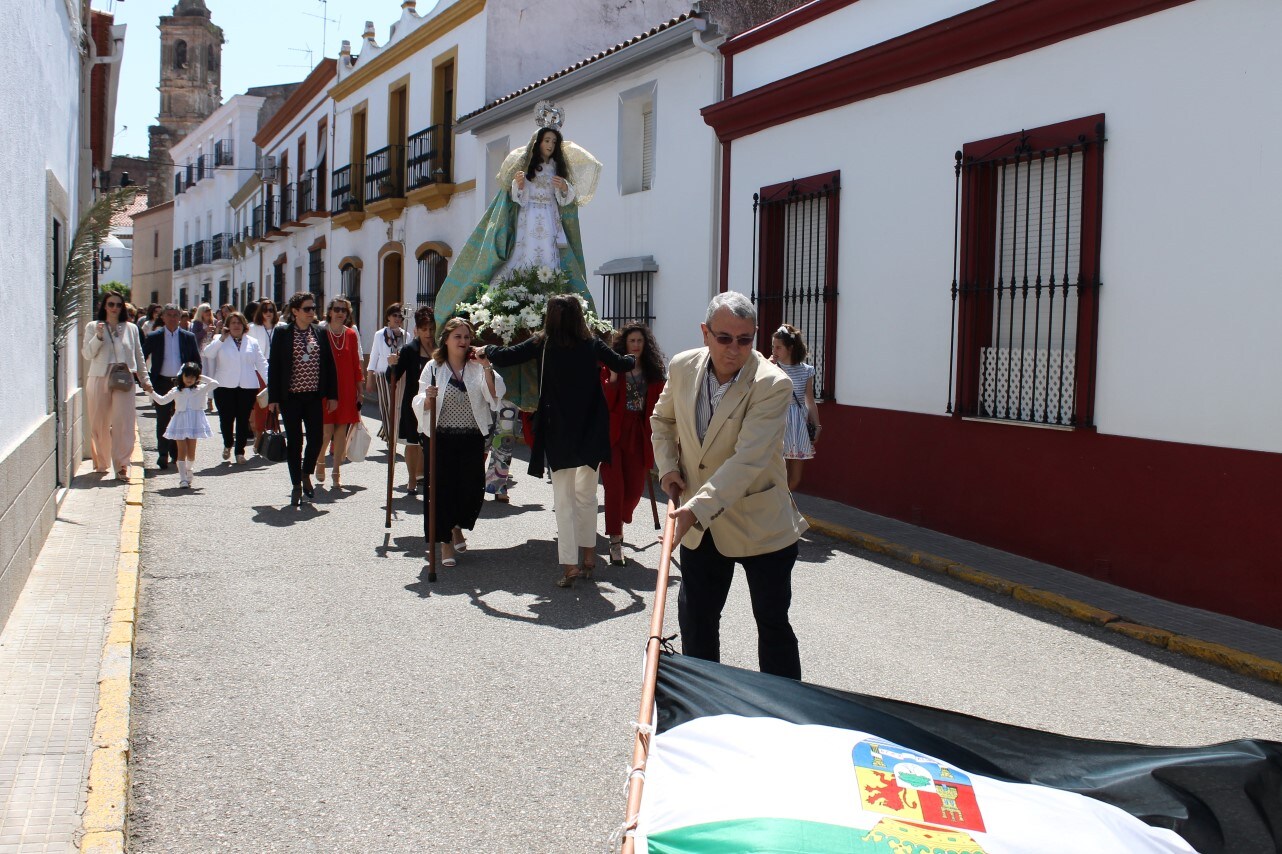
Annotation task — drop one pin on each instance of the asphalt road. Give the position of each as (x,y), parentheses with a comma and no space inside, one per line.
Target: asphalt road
(301,689)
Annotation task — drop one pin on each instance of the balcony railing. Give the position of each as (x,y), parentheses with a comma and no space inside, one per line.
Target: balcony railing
(429,156)
(191,175)
(344,199)
(385,174)
(304,194)
(288,213)
(271,212)
(178,259)
(200,252)
(219,247)
(223,152)
(256,228)
(178,184)
(187,253)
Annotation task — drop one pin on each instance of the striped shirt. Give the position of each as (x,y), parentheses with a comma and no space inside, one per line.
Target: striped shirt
(710,394)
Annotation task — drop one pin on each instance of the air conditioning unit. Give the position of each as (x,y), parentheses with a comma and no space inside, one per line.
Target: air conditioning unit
(270,170)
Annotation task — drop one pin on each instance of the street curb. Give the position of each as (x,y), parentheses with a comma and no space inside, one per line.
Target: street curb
(1218,654)
(104,826)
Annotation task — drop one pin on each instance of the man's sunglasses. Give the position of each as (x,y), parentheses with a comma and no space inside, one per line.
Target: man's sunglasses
(310,309)
(726,340)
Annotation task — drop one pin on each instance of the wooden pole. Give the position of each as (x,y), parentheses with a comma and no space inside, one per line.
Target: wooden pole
(431,487)
(654,505)
(641,742)
(391,445)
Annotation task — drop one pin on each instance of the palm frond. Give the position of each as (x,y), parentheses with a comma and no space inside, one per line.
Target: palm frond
(74,292)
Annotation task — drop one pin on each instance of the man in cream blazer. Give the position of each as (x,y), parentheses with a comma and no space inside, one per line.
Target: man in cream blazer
(718,442)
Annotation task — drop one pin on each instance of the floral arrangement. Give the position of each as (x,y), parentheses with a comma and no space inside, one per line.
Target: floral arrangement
(517,303)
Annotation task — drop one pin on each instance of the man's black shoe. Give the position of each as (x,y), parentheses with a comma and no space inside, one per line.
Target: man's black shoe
(162,463)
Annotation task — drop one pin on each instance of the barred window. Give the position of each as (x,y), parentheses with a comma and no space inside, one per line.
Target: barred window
(795,267)
(316,277)
(432,268)
(351,289)
(1026,275)
(278,284)
(626,288)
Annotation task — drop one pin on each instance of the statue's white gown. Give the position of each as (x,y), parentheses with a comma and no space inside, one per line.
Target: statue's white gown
(538,222)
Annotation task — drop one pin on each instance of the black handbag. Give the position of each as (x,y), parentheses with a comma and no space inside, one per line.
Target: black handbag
(811,429)
(274,443)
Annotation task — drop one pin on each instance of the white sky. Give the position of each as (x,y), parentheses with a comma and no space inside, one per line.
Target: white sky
(266,43)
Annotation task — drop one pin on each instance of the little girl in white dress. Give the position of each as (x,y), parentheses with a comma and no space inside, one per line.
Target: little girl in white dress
(190,394)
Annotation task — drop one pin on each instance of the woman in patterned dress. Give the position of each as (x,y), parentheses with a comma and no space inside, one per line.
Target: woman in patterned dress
(467,391)
(788,351)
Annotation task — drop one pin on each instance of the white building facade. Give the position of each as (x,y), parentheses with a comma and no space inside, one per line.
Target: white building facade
(1037,324)
(212,162)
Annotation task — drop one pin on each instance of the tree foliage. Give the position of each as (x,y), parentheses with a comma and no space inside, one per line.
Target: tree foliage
(74,293)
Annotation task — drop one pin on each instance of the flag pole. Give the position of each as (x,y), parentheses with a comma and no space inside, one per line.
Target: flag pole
(641,741)
(391,446)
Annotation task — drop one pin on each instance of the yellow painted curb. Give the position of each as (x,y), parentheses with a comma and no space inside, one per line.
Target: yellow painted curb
(111,842)
(1224,656)
(104,824)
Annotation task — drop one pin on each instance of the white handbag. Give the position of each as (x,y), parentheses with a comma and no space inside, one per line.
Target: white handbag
(358,442)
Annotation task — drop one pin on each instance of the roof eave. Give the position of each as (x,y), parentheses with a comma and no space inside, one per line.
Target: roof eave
(648,49)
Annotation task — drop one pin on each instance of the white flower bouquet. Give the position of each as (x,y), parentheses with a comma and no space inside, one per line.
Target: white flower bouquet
(513,307)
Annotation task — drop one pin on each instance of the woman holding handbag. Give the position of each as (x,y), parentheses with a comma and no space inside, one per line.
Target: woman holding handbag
(114,350)
(235,360)
(345,353)
(405,367)
(467,391)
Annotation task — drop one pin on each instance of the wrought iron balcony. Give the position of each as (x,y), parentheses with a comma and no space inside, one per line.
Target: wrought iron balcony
(429,153)
(200,168)
(178,184)
(178,259)
(271,214)
(200,252)
(223,149)
(220,247)
(187,254)
(385,174)
(288,213)
(304,193)
(191,175)
(257,228)
(344,199)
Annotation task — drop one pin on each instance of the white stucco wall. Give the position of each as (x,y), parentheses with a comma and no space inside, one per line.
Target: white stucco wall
(36,138)
(1188,341)
(855,27)
(673,221)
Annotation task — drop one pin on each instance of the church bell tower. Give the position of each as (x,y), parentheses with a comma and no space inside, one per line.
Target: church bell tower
(191,56)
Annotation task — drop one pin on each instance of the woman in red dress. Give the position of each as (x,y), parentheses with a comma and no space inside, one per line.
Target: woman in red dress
(346,352)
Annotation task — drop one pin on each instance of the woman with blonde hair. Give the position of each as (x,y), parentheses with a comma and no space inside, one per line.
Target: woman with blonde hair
(467,391)
(345,351)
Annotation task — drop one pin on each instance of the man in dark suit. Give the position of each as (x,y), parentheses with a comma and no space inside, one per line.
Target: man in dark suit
(168,348)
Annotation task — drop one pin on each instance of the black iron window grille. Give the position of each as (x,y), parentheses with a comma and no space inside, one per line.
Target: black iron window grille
(351,289)
(206,292)
(272,212)
(200,168)
(429,156)
(795,267)
(432,268)
(223,152)
(343,199)
(249,293)
(178,184)
(201,252)
(385,174)
(1025,288)
(178,260)
(278,287)
(191,175)
(187,253)
(315,276)
(627,286)
(223,288)
(258,228)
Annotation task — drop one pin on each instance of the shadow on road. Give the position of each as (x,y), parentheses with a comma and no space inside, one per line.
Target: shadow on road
(284,516)
(528,574)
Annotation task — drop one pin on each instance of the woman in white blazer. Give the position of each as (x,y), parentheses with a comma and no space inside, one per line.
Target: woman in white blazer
(236,361)
(112,340)
(467,392)
(266,319)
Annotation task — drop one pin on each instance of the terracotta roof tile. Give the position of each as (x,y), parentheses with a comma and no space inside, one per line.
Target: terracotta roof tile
(125,218)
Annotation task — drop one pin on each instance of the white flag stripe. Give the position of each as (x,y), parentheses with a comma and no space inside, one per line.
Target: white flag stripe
(726,768)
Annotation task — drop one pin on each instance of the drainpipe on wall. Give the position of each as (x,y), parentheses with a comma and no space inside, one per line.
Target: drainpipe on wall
(710,46)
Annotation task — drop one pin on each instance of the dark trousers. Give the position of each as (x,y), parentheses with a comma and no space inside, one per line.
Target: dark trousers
(705,583)
(302,412)
(234,407)
(164,414)
(460,483)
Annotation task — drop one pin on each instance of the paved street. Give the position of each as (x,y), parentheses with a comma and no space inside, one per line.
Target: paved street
(300,689)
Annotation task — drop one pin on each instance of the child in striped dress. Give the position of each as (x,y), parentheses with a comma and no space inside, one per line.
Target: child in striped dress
(788,351)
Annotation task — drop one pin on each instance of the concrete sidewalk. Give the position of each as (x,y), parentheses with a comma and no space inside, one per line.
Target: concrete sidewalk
(50,653)
(1239,645)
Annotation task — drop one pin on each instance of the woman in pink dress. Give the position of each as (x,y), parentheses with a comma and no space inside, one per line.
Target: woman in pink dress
(346,352)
